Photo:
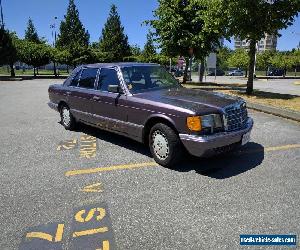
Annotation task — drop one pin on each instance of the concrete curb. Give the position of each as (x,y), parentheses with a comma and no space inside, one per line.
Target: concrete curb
(292,115)
(21,78)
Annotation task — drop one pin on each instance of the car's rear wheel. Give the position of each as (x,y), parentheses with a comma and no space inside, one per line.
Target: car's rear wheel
(67,119)
(165,145)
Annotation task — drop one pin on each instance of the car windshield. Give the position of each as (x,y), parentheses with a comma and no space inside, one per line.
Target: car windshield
(147,78)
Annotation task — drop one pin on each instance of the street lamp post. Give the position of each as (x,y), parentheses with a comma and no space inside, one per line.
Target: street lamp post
(53,27)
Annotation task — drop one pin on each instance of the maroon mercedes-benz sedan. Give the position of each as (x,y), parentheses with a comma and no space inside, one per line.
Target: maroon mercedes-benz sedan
(144,102)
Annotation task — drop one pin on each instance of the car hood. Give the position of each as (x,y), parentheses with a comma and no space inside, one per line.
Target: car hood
(198,101)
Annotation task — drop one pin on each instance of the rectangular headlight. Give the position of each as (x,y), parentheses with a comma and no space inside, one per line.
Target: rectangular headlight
(197,123)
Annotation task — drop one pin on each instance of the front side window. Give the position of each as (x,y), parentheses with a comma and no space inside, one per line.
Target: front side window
(88,77)
(147,78)
(107,77)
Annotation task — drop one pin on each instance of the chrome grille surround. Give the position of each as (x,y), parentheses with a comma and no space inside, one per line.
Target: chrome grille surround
(235,116)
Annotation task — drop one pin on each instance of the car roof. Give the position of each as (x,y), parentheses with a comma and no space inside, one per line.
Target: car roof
(119,64)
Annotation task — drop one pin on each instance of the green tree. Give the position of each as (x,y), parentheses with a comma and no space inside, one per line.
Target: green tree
(73,36)
(113,40)
(223,55)
(295,60)
(188,27)
(263,59)
(34,54)
(31,33)
(282,60)
(252,19)
(8,49)
(149,51)
(239,59)
(135,50)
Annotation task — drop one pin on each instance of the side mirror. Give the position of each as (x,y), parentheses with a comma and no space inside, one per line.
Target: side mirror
(115,89)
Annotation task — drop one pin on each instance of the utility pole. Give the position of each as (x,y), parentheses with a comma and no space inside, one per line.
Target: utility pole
(2,21)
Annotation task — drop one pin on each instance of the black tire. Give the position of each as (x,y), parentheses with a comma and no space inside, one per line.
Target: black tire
(165,135)
(69,123)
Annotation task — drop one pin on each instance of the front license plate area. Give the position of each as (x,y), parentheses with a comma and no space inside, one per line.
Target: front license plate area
(245,138)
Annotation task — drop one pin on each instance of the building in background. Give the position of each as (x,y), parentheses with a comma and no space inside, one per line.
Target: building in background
(269,42)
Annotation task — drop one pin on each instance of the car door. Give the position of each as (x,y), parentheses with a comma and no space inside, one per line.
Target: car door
(109,108)
(81,95)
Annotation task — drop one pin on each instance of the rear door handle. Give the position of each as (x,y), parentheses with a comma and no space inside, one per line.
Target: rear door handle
(96,98)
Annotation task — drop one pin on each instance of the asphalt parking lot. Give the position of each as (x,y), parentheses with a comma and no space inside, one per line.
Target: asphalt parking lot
(89,189)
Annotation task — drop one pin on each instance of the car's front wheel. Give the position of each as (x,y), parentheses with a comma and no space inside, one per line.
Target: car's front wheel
(165,145)
(67,119)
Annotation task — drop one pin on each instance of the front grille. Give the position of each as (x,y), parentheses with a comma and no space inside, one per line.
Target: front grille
(235,116)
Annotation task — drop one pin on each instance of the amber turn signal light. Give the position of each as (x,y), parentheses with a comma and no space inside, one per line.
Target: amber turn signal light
(194,123)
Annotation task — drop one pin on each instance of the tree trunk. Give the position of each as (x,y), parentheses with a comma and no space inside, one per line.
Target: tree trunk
(202,68)
(12,70)
(246,73)
(252,52)
(54,69)
(185,71)
(34,73)
(37,70)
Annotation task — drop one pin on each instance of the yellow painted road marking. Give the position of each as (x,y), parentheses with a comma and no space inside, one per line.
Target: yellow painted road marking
(101,214)
(297,83)
(90,232)
(59,232)
(94,188)
(46,236)
(284,147)
(154,164)
(111,168)
(39,235)
(67,145)
(105,245)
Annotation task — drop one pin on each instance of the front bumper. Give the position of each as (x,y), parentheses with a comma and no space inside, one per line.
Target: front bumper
(211,144)
(53,105)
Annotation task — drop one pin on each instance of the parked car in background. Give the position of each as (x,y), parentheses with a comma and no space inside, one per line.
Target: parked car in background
(146,103)
(236,72)
(276,72)
(176,72)
(218,72)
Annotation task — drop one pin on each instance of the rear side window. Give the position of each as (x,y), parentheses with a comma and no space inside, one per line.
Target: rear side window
(88,77)
(107,77)
(75,80)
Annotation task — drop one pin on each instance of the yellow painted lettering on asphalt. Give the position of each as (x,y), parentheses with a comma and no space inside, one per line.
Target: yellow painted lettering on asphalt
(88,147)
(79,215)
(67,145)
(59,232)
(46,236)
(111,168)
(94,188)
(39,235)
(90,232)
(105,245)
